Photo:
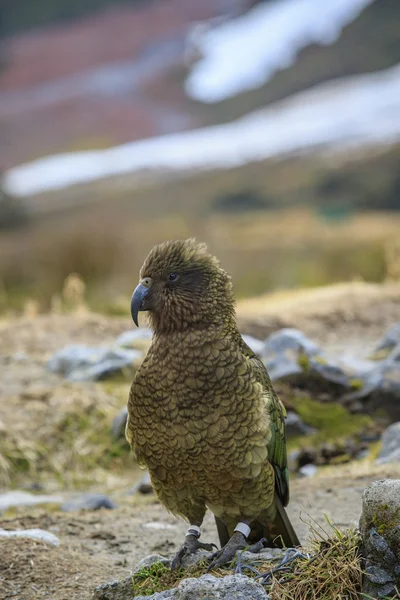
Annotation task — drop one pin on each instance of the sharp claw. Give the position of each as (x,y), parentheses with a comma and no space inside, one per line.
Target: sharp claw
(213,546)
(228,552)
(189,547)
(255,548)
(177,560)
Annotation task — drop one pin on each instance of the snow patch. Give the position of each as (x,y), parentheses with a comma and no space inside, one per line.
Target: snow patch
(244,53)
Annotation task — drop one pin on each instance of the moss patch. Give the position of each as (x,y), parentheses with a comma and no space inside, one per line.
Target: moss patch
(386,519)
(304,362)
(158,577)
(332,421)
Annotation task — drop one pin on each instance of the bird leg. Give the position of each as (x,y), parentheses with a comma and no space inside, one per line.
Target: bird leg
(237,542)
(190,546)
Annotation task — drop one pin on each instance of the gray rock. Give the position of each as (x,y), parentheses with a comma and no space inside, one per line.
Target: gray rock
(89,502)
(115,590)
(290,339)
(122,589)
(390,339)
(150,560)
(33,534)
(380,390)
(291,356)
(18,498)
(380,531)
(390,450)
(308,471)
(193,559)
(394,356)
(85,363)
(265,555)
(119,423)
(295,425)
(208,587)
(143,486)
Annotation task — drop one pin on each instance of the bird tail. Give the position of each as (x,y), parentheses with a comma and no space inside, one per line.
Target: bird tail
(282,528)
(279,533)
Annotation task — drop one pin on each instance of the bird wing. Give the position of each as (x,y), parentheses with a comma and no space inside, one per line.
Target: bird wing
(277,414)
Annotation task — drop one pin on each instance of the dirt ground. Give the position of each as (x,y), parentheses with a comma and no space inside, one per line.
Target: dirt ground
(98,546)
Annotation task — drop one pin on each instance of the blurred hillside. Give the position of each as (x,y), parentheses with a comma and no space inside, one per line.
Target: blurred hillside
(103,72)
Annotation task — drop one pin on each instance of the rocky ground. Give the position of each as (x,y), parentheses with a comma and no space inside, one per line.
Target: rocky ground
(96,546)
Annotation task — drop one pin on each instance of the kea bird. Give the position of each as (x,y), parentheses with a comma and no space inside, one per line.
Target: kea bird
(203,417)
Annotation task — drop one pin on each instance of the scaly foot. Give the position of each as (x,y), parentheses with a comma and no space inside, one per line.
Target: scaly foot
(190,546)
(228,552)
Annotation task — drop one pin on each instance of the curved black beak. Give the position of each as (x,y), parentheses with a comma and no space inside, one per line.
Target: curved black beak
(137,302)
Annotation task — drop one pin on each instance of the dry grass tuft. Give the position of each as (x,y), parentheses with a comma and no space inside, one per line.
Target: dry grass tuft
(66,437)
(334,571)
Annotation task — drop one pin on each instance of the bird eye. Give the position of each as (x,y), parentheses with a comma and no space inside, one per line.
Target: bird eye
(172,277)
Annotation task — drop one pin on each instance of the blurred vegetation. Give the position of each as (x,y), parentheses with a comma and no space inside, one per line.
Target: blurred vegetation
(28,14)
(13,213)
(274,224)
(71,443)
(240,202)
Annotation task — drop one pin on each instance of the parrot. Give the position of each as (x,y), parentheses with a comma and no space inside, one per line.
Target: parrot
(203,417)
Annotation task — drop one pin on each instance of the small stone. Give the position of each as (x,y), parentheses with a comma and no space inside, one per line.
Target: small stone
(306,456)
(390,451)
(115,590)
(390,339)
(143,486)
(290,339)
(265,555)
(380,390)
(85,363)
(208,587)
(18,498)
(308,471)
(89,502)
(295,426)
(33,534)
(150,560)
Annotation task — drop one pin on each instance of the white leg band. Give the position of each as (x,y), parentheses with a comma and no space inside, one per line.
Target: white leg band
(193,530)
(243,528)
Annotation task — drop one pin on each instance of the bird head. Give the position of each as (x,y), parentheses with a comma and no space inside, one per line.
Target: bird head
(182,287)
